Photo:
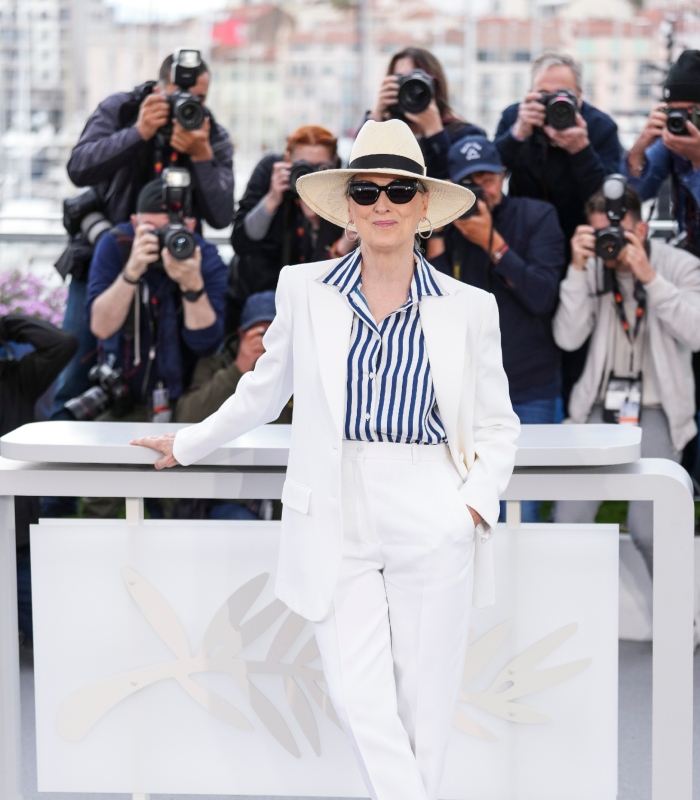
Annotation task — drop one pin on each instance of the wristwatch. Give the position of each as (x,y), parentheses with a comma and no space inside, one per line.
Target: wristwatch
(192,296)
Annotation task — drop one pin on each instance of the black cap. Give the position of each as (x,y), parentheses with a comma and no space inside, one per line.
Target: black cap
(151,198)
(683,80)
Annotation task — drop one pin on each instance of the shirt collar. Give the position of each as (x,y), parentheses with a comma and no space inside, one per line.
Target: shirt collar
(346,276)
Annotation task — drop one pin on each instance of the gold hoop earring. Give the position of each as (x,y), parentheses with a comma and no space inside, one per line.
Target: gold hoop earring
(429,233)
(357,235)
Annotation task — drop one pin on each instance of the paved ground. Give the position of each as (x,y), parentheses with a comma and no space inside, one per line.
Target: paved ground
(635,731)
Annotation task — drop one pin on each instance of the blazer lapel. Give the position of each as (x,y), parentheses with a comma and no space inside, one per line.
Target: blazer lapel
(444,323)
(331,318)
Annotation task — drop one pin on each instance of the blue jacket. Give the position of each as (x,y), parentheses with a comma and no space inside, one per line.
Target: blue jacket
(177,347)
(525,283)
(659,164)
(542,171)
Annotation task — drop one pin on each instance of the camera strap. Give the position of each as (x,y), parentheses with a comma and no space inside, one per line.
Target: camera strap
(640,296)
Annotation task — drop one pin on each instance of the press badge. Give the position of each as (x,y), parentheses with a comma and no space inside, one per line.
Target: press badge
(623,400)
(161,404)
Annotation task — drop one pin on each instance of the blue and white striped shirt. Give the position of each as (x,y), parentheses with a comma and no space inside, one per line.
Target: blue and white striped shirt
(390,395)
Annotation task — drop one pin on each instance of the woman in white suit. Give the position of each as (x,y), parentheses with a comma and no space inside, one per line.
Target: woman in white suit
(402,441)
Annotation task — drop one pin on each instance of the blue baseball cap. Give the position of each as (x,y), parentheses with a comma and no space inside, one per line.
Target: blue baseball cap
(473,154)
(259,307)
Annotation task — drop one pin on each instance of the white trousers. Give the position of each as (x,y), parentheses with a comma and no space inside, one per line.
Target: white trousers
(394,642)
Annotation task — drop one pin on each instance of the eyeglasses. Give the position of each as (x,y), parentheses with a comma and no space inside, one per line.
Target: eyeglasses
(366,193)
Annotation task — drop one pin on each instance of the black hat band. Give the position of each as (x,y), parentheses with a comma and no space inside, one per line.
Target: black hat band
(387,161)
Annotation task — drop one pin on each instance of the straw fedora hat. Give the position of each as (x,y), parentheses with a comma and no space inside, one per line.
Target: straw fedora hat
(387,148)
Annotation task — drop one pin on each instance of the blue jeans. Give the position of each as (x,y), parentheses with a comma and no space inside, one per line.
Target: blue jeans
(535,412)
(232,510)
(72,381)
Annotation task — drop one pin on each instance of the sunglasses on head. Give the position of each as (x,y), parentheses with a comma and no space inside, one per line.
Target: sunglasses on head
(366,193)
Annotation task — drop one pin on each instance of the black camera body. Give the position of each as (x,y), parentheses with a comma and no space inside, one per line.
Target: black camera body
(478,194)
(110,390)
(677,117)
(561,109)
(83,214)
(175,236)
(610,240)
(416,91)
(185,107)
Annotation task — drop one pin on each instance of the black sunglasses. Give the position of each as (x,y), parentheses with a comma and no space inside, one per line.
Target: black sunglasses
(366,193)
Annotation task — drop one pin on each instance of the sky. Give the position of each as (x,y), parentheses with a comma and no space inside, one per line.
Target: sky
(172,9)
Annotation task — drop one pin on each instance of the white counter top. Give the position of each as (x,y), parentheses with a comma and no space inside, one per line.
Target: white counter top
(268,446)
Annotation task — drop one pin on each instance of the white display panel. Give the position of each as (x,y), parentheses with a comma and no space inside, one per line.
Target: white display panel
(128,700)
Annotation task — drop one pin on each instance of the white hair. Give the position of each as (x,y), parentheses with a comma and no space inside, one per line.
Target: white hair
(548,60)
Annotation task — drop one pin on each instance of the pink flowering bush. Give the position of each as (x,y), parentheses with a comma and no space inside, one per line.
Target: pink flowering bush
(27,294)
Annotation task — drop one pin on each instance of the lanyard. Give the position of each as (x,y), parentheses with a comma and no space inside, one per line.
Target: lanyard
(640,296)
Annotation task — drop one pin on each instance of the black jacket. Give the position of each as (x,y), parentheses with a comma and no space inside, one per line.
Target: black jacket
(542,171)
(525,284)
(111,151)
(289,239)
(23,381)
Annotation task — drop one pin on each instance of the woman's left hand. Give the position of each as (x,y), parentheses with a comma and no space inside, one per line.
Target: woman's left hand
(429,121)
(162,444)
(476,516)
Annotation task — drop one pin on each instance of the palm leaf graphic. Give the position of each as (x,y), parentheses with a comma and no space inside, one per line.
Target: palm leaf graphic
(520,678)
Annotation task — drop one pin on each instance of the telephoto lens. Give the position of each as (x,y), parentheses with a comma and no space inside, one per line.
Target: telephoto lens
(675,121)
(609,242)
(416,90)
(89,405)
(562,107)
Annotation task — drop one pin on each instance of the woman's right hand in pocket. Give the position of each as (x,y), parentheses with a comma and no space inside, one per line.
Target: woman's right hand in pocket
(162,444)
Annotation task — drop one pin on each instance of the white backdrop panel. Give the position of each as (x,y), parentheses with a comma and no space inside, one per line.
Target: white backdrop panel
(133,694)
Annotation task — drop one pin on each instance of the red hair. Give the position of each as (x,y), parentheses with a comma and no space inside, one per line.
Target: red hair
(313,135)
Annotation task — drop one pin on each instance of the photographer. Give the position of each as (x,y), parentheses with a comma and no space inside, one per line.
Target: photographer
(639,301)
(512,247)
(423,103)
(22,382)
(154,314)
(273,227)
(125,143)
(556,146)
(670,145)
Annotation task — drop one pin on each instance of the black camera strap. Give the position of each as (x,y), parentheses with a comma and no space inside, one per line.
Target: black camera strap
(640,296)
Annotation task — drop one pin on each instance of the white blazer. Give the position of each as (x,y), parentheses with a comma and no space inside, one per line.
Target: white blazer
(306,350)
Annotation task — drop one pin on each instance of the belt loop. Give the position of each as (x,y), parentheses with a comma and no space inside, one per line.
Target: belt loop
(414,452)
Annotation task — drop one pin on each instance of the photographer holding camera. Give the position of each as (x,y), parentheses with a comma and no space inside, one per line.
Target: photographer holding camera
(273,226)
(415,91)
(512,247)
(155,302)
(556,146)
(670,145)
(639,301)
(126,143)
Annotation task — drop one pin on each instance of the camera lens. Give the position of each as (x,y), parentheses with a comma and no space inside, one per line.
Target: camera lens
(609,243)
(561,113)
(89,405)
(415,96)
(188,111)
(676,122)
(180,242)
